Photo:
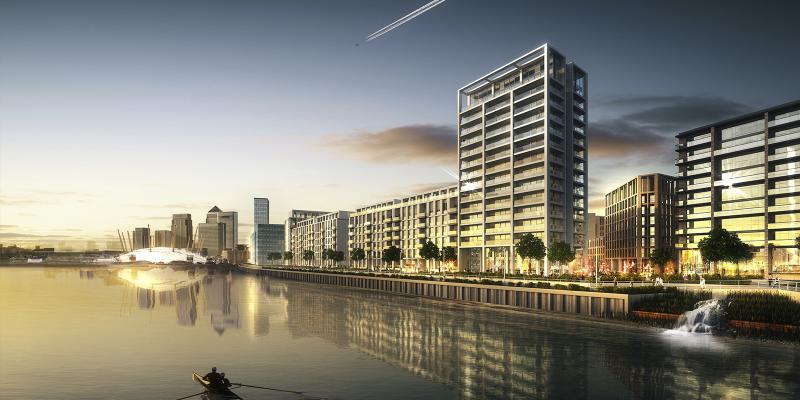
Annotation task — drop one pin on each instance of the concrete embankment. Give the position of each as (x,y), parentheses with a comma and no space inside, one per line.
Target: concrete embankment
(596,304)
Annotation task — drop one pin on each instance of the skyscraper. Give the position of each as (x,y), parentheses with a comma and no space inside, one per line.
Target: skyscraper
(182,231)
(522,159)
(162,238)
(260,210)
(230,220)
(211,237)
(260,220)
(268,238)
(743,175)
(141,238)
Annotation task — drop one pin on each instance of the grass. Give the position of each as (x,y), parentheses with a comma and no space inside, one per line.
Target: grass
(762,306)
(673,301)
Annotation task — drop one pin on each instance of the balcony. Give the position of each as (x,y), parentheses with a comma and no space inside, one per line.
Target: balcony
(498,230)
(497,206)
(498,131)
(498,180)
(784,190)
(784,208)
(471,197)
(498,168)
(498,156)
(471,129)
(784,155)
(529,200)
(528,147)
(472,232)
(470,153)
(528,215)
(528,134)
(497,119)
(528,93)
(529,174)
(528,120)
(497,107)
(466,165)
(499,218)
(496,144)
(559,120)
(496,193)
(784,120)
(471,118)
(528,107)
(471,209)
(470,175)
(465,143)
(472,221)
(785,225)
(528,188)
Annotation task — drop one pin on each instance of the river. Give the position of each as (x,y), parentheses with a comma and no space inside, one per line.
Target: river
(138,333)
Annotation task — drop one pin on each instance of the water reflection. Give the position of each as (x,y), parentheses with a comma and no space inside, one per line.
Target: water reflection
(486,353)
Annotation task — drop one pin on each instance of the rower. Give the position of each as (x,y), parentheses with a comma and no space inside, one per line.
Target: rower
(214,378)
(225,381)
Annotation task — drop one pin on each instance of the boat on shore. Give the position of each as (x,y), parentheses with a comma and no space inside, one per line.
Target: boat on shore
(214,392)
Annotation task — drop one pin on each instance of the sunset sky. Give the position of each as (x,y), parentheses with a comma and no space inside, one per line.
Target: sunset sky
(115,115)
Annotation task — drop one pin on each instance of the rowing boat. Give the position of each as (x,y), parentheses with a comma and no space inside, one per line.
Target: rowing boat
(218,393)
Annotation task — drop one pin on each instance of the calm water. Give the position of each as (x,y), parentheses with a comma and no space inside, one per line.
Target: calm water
(70,333)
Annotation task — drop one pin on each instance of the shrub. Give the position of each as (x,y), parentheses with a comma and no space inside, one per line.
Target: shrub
(762,306)
(672,301)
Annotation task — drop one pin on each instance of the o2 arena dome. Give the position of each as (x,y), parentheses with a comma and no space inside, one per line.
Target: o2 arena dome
(161,255)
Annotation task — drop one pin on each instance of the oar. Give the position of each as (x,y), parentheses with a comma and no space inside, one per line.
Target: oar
(268,388)
(196,394)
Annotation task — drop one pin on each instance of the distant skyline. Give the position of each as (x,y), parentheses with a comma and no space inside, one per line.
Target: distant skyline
(115,115)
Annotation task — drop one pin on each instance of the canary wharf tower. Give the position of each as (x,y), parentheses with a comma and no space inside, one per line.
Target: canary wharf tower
(522,160)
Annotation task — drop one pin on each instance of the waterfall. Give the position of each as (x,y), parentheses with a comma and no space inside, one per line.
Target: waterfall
(700,320)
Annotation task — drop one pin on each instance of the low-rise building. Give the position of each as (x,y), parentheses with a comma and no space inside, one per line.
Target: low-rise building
(407,223)
(296,216)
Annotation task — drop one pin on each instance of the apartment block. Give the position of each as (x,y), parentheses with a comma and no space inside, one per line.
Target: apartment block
(640,217)
(595,254)
(296,216)
(327,231)
(407,223)
(522,159)
(743,175)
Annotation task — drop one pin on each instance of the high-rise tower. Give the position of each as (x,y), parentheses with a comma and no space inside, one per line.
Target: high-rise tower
(522,159)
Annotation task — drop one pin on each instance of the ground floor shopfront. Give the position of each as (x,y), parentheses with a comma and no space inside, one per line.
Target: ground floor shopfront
(766,261)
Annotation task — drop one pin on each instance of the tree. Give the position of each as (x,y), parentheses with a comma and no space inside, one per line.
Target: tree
(721,245)
(273,256)
(308,255)
(660,257)
(391,254)
(530,247)
(449,254)
(560,252)
(741,252)
(329,255)
(288,256)
(429,251)
(358,254)
(338,256)
(797,242)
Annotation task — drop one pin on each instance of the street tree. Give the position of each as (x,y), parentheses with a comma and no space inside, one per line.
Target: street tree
(358,254)
(660,257)
(560,252)
(308,256)
(449,254)
(529,248)
(429,251)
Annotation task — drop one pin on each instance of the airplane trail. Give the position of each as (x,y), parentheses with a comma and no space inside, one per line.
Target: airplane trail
(388,28)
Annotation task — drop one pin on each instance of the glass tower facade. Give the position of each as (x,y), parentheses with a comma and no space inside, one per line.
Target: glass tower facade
(742,174)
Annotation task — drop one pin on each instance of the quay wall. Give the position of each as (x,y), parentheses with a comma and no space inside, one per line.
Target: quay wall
(595,304)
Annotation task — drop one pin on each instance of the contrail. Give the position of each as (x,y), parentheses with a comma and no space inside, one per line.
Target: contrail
(401,21)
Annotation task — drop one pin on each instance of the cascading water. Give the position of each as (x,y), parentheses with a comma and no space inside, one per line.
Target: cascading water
(702,319)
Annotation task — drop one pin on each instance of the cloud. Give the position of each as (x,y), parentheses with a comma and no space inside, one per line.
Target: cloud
(432,144)
(647,125)
(15,235)
(8,226)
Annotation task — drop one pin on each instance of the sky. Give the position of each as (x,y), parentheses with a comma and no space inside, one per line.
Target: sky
(115,115)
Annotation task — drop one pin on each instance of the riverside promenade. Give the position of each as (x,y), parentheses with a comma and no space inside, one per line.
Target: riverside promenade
(580,302)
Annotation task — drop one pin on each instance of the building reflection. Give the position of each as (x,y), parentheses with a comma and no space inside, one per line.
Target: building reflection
(186,288)
(489,354)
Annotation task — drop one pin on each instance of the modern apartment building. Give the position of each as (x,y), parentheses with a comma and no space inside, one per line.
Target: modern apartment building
(522,159)
(162,238)
(230,219)
(743,175)
(296,216)
(640,217)
(323,232)
(595,254)
(141,238)
(182,231)
(407,223)
(267,238)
